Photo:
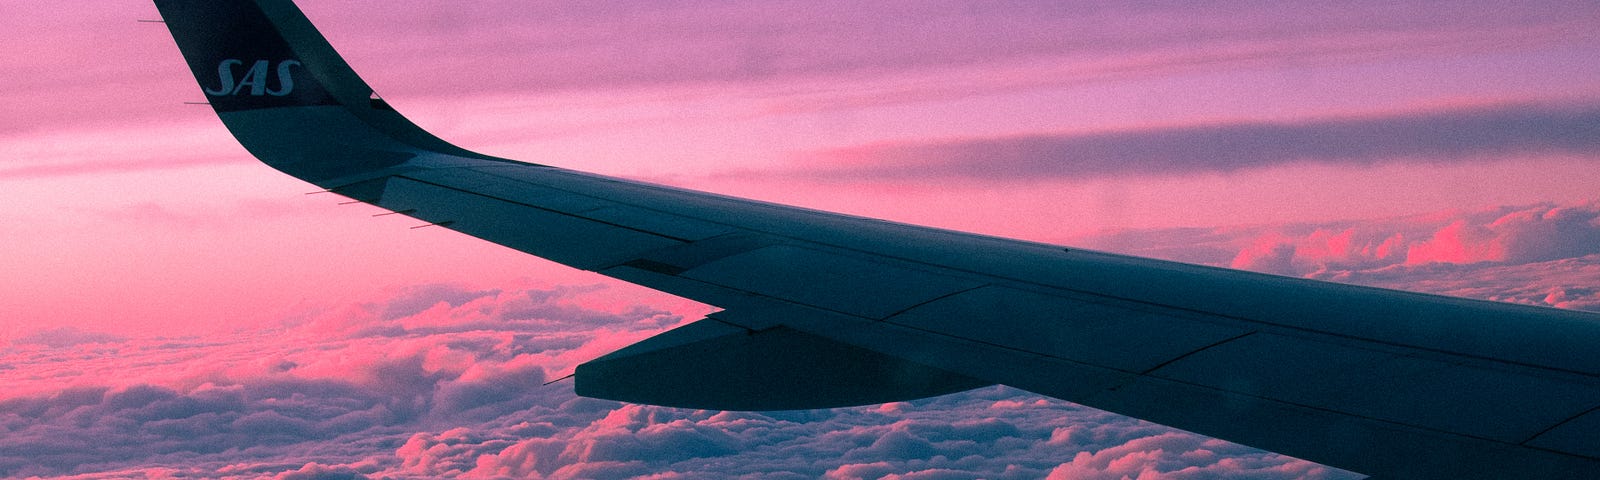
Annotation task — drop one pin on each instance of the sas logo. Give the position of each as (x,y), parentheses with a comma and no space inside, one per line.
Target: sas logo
(254,78)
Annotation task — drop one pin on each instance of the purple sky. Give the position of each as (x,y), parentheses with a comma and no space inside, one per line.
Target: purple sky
(163,293)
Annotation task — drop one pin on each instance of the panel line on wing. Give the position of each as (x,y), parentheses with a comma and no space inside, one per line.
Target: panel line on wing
(538,207)
(1198,350)
(935,299)
(1535,436)
(863,287)
(677,259)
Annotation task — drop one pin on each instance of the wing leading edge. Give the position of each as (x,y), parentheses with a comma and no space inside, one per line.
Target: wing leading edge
(823,310)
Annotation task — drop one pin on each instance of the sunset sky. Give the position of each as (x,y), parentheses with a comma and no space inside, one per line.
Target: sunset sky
(199,314)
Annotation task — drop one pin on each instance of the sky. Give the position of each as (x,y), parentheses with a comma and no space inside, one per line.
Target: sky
(169,307)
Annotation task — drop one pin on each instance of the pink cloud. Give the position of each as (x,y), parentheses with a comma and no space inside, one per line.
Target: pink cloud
(317,471)
(107,166)
(1324,248)
(1543,254)
(1458,242)
(1173,456)
(1573,297)
(1514,235)
(1534,234)
(66,337)
(860,471)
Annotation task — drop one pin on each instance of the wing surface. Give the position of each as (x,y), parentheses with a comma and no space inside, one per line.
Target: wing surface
(822,309)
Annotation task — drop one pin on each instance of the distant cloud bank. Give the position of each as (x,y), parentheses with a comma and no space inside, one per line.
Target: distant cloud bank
(1543,254)
(1507,235)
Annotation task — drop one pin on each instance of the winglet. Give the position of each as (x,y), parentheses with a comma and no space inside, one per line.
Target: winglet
(243,61)
(286,95)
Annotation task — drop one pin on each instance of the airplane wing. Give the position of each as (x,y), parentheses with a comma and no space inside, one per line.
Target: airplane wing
(822,309)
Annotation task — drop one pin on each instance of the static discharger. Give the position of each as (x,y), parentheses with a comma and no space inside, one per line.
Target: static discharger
(435,224)
(570,375)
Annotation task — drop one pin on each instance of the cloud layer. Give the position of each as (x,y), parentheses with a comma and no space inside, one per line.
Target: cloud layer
(446,381)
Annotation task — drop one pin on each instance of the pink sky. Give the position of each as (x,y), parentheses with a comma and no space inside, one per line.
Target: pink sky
(130,212)
(1298,138)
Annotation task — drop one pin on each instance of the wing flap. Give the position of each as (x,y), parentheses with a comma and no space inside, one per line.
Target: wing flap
(989,362)
(714,365)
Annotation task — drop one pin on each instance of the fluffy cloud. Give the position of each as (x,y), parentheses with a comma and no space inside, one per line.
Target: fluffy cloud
(1535,234)
(447,381)
(255,397)
(1174,456)
(84,430)
(1544,254)
(990,433)
(1506,235)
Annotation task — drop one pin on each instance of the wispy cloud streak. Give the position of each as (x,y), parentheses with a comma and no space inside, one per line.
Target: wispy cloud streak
(1452,136)
(109,167)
